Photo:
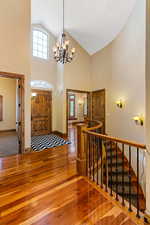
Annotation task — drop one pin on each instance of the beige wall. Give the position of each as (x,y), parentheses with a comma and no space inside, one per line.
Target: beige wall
(77,75)
(128,76)
(8,91)
(46,70)
(101,77)
(15,47)
(120,68)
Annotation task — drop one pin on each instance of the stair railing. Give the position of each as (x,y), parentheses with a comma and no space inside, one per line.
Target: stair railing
(98,158)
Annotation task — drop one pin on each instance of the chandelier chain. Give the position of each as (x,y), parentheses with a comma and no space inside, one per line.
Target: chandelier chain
(63,53)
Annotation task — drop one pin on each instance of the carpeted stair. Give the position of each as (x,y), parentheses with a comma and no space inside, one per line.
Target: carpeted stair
(118,173)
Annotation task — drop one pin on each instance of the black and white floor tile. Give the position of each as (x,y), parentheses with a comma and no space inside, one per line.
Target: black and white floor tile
(39,143)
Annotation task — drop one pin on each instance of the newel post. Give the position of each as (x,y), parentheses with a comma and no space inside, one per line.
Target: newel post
(81,150)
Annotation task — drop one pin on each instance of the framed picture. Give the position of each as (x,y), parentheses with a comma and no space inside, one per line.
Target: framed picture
(1,108)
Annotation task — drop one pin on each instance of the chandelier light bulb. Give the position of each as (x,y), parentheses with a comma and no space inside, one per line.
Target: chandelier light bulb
(73,50)
(67,42)
(54,49)
(57,45)
(64,47)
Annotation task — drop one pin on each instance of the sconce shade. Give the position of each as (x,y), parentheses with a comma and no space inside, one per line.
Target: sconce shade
(34,94)
(120,103)
(139,120)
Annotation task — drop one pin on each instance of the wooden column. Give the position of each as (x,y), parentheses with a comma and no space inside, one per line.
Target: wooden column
(81,150)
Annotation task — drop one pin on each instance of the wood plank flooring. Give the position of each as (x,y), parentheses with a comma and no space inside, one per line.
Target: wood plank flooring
(44,189)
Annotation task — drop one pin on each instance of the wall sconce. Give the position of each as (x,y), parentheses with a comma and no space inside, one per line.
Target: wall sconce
(80,102)
(120,103)
(139,120)
(34,94)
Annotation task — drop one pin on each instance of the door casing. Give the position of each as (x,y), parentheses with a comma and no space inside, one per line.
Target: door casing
(89,94)
(101,92)
(21,105)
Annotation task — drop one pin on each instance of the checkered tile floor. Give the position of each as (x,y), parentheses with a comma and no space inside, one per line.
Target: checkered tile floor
(39,143)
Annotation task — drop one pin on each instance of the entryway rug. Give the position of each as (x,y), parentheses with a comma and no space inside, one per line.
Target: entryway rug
(39,143)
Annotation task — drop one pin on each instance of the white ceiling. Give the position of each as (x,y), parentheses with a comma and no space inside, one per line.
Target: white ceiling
(93,23)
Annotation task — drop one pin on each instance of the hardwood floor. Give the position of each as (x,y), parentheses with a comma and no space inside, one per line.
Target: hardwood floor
(44,189)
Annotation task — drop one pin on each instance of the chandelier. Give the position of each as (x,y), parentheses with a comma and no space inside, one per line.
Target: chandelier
(63,52)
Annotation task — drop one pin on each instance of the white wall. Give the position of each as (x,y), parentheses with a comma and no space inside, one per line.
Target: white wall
(15,47)
(8,91)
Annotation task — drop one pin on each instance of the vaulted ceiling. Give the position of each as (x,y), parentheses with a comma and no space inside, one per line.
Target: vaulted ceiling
(93,23)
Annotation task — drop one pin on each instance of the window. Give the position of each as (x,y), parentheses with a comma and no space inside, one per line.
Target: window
(40,44)
(85,109)
(71,107)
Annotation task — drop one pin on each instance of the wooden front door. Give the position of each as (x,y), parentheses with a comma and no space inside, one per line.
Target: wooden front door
(98,107)
(41,112)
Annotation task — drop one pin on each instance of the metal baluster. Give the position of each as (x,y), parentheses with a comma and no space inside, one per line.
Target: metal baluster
(123,203)
(93,145)
(90,154)
(97,147)
(130,209)
(117,172)
(106,168)
(138,214)
(111,146)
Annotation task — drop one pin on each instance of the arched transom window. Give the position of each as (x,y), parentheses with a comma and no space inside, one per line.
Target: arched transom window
(40,44)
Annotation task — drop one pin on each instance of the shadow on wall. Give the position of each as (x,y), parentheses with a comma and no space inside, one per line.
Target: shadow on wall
(41,84)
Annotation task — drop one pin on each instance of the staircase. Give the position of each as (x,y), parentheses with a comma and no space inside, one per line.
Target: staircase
(102,158)
(118,177)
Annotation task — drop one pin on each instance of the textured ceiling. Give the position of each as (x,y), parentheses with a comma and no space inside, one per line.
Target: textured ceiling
(93,23)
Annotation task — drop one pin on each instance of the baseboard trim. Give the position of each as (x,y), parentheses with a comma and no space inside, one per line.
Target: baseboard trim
(147,217)
(5,131)
(28,150)
(60,134)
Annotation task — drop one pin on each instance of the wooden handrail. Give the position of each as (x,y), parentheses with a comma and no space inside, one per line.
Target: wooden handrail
(119,140)
(99,125)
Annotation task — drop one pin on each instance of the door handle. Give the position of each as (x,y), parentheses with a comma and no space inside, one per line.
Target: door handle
(18,123)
